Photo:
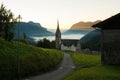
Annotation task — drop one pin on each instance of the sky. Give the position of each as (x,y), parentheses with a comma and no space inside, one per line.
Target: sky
(69,12)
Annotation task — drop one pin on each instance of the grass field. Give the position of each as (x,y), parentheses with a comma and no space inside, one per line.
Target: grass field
(93,69)
(33,60)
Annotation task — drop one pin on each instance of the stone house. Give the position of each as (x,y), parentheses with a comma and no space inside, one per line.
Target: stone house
(110,37)
(70,45)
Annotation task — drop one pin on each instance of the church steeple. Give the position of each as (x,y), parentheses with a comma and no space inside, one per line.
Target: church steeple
(58,29)
(58,37)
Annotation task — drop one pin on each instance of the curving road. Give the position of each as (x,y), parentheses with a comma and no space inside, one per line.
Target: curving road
(66,67)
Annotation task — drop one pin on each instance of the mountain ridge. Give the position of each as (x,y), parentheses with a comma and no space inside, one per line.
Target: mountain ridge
(84,25)
(31,29)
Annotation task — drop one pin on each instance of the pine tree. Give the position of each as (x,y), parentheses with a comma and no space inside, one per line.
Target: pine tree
(6,23)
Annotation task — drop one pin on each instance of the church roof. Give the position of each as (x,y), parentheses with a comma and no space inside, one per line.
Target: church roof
(110,23)
(58,29)
(69,42)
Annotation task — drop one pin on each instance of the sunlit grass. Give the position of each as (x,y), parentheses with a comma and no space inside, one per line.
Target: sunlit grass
(94,70)
(86,59)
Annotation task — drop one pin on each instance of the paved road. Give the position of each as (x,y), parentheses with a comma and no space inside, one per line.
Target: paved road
(66,67)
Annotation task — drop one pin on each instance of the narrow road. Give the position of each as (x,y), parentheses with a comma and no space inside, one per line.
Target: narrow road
(66,67)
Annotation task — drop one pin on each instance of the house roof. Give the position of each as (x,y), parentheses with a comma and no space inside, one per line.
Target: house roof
(110,23)
(69,42)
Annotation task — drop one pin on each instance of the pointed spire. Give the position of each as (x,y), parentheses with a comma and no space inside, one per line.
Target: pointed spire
(58,36)
(57,24)
(58,29)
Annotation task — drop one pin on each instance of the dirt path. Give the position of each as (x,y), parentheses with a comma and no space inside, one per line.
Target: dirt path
(66,67)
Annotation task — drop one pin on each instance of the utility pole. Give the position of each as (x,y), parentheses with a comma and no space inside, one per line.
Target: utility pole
(18,56)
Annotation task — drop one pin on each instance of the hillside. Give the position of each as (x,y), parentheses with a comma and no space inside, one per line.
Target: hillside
(83,25)
(33,60)
(91,40)
(31,29)
(76,32)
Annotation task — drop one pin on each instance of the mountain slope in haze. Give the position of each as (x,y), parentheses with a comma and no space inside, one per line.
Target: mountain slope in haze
(31,29)
(92,40)
(76,32)
(83,25)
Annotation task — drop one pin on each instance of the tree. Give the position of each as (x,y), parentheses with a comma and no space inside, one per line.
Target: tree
(45,43)
(6,23)
(24,40)
(53,44)
(40,43)
(24,36)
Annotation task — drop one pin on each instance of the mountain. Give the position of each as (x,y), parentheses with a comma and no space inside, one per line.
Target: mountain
(76,32)
(31,29)
(83,25)
(52,30)
(91,40)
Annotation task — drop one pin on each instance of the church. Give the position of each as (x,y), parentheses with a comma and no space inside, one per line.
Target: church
(66,44)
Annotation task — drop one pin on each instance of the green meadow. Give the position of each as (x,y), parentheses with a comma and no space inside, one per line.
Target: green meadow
(33,60)
(89,67)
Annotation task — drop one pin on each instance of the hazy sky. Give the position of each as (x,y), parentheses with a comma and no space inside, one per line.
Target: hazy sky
(68,12)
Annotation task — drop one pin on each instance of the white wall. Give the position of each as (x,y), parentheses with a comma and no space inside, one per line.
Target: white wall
(71,48)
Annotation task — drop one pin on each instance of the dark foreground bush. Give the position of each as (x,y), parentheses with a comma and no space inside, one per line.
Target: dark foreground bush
(32,60)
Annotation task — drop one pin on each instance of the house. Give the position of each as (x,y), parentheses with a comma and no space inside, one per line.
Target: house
(110,39)
(70,45)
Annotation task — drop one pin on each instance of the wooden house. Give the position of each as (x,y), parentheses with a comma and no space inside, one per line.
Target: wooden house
(110,39)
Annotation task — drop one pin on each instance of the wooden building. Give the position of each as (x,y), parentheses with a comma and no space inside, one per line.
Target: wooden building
(110,39)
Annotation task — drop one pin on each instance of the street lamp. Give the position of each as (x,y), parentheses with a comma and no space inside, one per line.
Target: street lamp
(19,19)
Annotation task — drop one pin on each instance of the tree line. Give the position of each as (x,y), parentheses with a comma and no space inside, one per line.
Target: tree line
(45,43)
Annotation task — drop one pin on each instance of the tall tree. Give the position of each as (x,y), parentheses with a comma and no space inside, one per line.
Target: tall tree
(6,23)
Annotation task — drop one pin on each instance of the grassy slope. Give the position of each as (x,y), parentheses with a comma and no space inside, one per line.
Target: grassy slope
(33,60)
(93,70)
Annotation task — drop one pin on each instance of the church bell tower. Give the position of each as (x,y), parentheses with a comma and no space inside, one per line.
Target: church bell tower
(58,37)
